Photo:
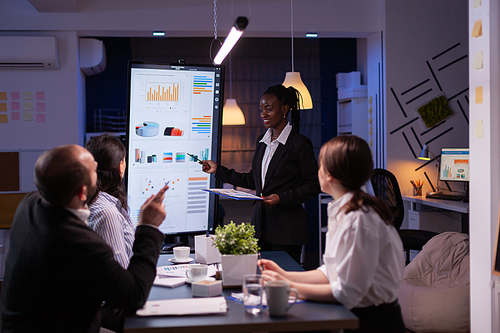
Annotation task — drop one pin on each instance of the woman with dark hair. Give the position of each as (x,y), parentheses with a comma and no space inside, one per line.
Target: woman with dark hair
(284,173)
(108,207)
(364,259)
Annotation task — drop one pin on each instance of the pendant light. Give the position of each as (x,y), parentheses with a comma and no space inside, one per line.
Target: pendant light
(231,112)
(293,78)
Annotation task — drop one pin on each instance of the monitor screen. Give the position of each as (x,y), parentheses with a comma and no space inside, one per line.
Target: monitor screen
(174,118)
(454,164)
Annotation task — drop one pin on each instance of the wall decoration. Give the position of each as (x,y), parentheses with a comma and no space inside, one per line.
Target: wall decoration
(434,111)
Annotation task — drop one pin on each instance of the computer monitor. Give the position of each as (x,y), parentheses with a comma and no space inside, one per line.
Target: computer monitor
(454,164)
(174,119)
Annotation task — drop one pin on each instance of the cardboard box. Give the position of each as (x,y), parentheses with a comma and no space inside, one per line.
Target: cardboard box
(204,252)
(206,288)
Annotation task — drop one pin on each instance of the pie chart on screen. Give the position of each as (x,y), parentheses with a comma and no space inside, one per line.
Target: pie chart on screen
(147,129)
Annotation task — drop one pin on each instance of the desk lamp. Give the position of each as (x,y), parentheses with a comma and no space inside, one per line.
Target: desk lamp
(424,155)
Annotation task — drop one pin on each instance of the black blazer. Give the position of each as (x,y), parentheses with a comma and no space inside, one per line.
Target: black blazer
(58,271)
(293,176)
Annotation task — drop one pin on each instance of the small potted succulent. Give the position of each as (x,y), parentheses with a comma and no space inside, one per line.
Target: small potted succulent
(239,250)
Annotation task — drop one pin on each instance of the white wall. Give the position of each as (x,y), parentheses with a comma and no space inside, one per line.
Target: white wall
(416,35)
(63,111)
(485,167)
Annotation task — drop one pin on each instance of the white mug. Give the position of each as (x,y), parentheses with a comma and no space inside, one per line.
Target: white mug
(278,294)
(181,253)
(197,272)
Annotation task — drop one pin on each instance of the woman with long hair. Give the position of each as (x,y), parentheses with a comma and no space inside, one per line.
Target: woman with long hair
(284,173)
(108,207)
(364,257)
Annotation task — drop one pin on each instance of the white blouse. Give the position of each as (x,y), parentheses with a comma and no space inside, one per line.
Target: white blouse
(271,147)
(364,257)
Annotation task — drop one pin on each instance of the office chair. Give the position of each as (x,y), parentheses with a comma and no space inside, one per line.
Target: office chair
(385,186)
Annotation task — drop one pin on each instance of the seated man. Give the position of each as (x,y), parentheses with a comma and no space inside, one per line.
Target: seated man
(58,271)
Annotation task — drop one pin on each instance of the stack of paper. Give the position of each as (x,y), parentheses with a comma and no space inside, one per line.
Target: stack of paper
(184,306)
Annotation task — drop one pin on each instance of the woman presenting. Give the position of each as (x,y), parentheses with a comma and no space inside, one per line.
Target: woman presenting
(284,172)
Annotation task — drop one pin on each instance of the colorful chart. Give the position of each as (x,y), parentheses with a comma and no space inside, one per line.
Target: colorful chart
(162,92)
(202,125)
(202,84)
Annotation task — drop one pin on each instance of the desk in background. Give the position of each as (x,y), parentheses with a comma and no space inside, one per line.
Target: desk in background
(459,207)
(306,316)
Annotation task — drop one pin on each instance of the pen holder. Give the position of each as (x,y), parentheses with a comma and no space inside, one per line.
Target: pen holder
(417,191)
(204,252)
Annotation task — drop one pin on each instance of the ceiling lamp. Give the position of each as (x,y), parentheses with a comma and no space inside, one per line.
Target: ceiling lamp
(293,78)
(231,112)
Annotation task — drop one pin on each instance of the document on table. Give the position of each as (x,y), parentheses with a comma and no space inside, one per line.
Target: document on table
(180,270)
(167,281)
(184,306)
(233,194)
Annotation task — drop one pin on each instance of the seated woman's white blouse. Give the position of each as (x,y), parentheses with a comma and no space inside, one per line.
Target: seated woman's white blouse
(363,258)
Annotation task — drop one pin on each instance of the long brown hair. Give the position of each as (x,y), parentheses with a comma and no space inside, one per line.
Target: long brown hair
(108,152)
(348,159)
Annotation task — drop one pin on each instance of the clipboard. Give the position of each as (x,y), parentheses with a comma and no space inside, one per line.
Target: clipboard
(233,194)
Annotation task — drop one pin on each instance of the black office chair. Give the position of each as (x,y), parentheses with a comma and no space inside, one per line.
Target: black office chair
(385,186)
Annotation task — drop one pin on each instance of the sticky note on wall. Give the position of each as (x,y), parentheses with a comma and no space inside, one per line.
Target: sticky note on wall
(27,106)
(27,95)
(478,60)
(479,95)
(3,107)
(3,118)
(476,3)
(478,29)
(27,116)
(3,95)
(479,131)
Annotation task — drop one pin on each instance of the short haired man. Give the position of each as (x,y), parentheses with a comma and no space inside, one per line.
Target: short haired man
(58,271)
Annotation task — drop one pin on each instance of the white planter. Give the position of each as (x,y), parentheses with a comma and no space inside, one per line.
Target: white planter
(235,266)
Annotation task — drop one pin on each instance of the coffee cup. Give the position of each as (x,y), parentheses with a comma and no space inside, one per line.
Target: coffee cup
(278,297)
(181,253)
(197,272)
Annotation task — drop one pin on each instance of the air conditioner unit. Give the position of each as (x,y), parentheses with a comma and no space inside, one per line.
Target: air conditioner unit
(29,52)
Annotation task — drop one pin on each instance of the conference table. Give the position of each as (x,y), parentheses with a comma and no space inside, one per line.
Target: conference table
(303,316)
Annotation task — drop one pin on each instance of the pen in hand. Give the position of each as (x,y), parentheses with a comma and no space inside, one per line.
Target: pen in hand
(261,266)
(195,158)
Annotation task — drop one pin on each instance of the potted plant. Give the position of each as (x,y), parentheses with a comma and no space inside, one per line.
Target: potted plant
(238,248)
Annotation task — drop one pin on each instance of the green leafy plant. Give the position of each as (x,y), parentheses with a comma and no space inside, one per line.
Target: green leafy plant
(236,239)
(434,111)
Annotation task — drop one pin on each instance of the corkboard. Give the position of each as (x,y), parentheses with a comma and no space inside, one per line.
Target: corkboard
(9,171)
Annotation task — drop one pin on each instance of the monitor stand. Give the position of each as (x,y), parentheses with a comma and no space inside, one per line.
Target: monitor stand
(172,241)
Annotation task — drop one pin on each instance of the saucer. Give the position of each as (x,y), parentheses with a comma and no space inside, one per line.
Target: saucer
(207,279)
(172,260)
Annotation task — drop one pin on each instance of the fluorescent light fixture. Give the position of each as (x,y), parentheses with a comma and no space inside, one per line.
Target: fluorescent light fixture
(158,33)
(232,114)
(311,35)
(231,39)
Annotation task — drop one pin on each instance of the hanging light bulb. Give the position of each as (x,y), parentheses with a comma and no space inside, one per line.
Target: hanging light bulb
(231,112)
(293,78)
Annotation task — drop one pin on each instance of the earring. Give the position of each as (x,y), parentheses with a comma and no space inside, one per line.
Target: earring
(284,115)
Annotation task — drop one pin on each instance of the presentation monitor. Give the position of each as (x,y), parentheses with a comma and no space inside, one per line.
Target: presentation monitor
(174,119)
(454,164)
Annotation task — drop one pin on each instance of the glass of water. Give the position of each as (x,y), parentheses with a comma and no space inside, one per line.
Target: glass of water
(252,293)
